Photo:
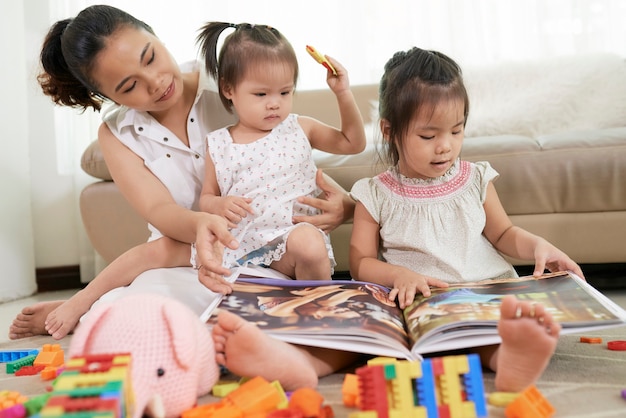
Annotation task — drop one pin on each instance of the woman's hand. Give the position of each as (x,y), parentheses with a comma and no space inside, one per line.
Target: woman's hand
(335,204)
(211,237)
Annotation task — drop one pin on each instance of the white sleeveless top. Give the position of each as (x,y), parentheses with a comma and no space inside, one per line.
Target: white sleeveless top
(273,171)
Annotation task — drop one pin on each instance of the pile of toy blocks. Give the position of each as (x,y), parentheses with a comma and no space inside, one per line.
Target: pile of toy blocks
(449,386)
(258,398)
(91,386)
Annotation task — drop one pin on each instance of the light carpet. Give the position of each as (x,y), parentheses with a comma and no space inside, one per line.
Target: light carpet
(582,380)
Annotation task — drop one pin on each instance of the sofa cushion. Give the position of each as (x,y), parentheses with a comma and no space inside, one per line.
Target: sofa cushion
(570,172)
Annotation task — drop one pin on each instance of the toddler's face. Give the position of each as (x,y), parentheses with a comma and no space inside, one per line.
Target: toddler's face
(264,98)
(433,141)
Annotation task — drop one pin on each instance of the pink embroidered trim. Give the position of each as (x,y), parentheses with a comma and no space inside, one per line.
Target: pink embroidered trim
(421,191)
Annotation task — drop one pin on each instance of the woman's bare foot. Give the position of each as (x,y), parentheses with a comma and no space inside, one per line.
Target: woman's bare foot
(529,337)
(247,351)
(32,320)
(63,319)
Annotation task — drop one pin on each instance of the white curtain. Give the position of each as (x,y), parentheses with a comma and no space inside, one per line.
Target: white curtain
(363,34)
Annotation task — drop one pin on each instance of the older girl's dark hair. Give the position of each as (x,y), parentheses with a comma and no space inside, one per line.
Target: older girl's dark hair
(247,46)
(412,80)
(69,50)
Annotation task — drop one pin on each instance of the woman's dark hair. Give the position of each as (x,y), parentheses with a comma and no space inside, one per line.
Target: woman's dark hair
(413,80)
(247,46)
(69,50)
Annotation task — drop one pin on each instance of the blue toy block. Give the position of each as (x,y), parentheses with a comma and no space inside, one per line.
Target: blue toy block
(426,389)
(11,355)
(474,385)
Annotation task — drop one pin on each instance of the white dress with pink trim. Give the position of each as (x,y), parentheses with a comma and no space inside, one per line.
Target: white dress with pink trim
(434,227)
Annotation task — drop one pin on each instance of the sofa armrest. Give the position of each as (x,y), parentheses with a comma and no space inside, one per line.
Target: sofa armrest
(110,222)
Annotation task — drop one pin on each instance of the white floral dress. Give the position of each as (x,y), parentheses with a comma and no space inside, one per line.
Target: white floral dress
(273,171)
(434,227)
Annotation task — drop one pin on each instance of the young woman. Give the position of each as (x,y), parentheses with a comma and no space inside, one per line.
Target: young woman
(153,141)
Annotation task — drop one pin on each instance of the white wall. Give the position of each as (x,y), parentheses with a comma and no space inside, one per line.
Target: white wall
(16,229)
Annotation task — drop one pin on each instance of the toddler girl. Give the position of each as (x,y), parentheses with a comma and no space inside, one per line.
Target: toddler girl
(257,168)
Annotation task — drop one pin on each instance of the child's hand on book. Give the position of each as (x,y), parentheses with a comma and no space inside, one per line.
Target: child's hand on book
(406,287)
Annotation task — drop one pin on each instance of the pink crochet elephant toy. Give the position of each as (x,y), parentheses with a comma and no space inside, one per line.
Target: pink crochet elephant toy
(172,353)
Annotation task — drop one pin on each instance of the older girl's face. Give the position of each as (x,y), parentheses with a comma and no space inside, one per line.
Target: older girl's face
(136,70)
(433,141)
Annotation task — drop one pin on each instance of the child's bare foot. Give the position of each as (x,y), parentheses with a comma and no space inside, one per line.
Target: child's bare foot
(247,351)
(529,337)
(32,320)
(64,318)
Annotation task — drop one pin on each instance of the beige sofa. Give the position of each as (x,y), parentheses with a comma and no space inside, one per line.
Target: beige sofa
(555,131)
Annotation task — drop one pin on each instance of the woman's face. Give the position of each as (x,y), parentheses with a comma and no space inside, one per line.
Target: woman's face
(136,70)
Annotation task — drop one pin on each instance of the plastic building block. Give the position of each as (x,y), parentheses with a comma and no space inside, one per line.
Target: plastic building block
(501,399)
(14,365)
(624,393)
(92,386)
(221,389)
(35,403)
(11,404)
(308,401)
(373,390)
(15,411)
(10,398)
(257,395)
(11,355)
(350,390)
(616,345)
(29,370)
(529,404)
(50,355)
(286,413)
(450,387)
(363,414)
(591,340)
(51,372)
(474,388)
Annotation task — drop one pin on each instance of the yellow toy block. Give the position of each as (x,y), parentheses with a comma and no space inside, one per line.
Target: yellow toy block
(221,388)
(363,414)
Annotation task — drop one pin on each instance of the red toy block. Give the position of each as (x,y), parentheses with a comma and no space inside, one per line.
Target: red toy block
(529,404)
(373,390)
(29,370)
(286,413)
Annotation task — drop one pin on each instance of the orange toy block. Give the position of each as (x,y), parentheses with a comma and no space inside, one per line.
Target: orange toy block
(255,395)
(50,355)
(308,401)
(529,404)
(350,390)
